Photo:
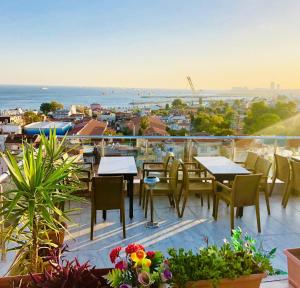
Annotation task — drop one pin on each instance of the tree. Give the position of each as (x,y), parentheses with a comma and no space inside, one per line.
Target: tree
(167,106)
(144,124)
(178,103)
(50,107)
(56,106)
(45,108)
(30,117)
(211,123)
(261,115)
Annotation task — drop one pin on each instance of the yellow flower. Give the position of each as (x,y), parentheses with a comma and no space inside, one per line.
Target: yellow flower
(139,257)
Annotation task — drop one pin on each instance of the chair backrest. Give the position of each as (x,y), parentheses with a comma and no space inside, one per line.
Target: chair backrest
(283,171)
(167,160)
(263,167)
(245,189)
(173,174)
(107,192)
(251,160)
(296,175)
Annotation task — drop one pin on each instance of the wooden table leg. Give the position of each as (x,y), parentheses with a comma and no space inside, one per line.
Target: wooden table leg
(130,192)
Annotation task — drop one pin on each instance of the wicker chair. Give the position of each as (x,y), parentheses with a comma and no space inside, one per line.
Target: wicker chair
(244,192)
(107,194)
(196,185)
(250,161)
(167,187)
(158,169)
(263,166)
(282,173)
(295,181)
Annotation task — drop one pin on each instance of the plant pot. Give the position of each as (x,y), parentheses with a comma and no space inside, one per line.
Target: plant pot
(293,258)
(249,281)
(15,281)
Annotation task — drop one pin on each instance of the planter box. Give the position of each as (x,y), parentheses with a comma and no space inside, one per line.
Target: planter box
(15,281)
(293,257)
(250,281)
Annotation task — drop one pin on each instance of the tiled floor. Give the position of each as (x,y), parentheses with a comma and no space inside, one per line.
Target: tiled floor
(281,230)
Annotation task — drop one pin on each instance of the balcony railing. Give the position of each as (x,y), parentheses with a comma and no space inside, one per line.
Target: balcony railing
(154,148)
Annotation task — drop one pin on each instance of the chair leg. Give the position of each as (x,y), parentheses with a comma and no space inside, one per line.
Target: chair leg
(144,195)
(104,214)
(231,217)
(92,223)
(286,195)
(216,208)
(258,217)
(141,192)
(267,200)
(208,201)
(201,197)
(272,185)
(183,206)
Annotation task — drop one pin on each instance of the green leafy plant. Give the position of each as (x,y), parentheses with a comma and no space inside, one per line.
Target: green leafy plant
(34,206)
(233,259)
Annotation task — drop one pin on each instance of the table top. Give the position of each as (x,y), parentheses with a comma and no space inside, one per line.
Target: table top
(117,166)
(219,165)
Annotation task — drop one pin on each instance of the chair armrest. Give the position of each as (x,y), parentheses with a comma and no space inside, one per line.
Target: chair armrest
(223,186)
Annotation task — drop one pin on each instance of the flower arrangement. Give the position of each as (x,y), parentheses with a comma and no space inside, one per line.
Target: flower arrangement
(138,268)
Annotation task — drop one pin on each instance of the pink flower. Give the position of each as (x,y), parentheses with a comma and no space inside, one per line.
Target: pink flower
(114,254)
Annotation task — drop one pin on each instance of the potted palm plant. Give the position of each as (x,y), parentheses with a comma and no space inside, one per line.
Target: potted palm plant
(33,209)
(236,264)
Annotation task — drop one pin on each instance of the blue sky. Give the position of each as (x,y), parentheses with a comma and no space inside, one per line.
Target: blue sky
(141,43)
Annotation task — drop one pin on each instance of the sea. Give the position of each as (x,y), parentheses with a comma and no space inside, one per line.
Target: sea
(31,97)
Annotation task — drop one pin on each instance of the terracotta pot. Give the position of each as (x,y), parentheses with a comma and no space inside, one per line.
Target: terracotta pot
(293,259)
(250,281)
(14,281)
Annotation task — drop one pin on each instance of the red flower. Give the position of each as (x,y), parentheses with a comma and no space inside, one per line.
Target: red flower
(121,265)
(150,254)
(131,248)
(114,254)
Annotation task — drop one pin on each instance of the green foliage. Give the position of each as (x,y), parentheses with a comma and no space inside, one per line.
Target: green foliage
(34,206)
(178,103)
(30,117)
(261,115)
(45,108)
(50,107)
(144,122)
(216,119)
(233,259)
(181,132)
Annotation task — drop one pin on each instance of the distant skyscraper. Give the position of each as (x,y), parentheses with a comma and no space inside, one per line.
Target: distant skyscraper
(272,85)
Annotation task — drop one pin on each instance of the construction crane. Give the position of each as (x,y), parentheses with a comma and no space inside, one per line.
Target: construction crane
(193,89)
